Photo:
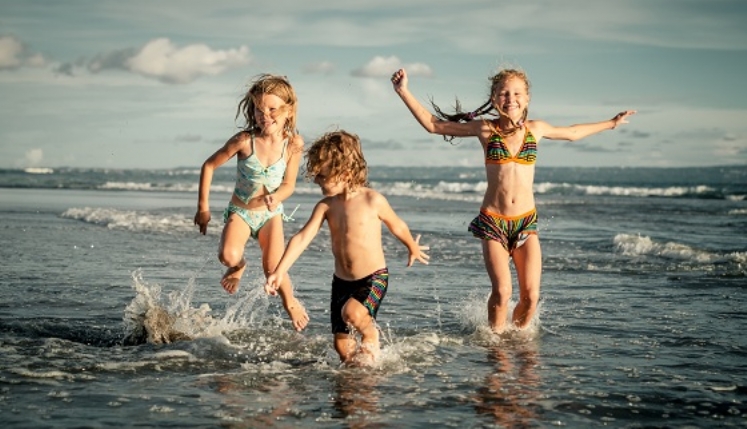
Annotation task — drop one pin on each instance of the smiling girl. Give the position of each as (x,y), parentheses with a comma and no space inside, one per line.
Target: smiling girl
(507,223)
(268,152)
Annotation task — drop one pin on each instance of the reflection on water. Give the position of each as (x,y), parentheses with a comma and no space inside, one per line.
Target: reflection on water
(510,393)
(357,397)
(254,402)
(278,400)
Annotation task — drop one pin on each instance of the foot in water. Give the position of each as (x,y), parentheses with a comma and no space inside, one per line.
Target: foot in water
(366,356)
(232,277)
(297,313)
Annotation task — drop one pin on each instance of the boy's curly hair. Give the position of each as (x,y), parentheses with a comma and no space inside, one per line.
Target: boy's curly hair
(338,156)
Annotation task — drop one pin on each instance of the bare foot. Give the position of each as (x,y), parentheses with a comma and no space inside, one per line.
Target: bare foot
(297,313)
(232,277)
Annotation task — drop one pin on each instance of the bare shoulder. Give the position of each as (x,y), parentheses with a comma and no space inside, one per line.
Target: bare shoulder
(296,142)
(538,128)
(485,128)
(240,136)
(375,199)
(371,194)
(325,202)
(295,147)
(238,141)
(322,206)
(536,122)
(488,125)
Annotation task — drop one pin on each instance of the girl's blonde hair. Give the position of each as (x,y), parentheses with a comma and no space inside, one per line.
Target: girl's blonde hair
(487,108)
(338,156)
(269,84)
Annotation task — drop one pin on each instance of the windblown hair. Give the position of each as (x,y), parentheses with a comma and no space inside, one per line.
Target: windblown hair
(269,84)
(486,108)
(339,157)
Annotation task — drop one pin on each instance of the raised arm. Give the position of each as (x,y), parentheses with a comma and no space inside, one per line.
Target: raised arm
(579,131)
(399,229)
(297,244)
(427,120)
(220,157)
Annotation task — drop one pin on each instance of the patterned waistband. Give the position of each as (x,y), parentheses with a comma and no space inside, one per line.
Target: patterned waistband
(504,217)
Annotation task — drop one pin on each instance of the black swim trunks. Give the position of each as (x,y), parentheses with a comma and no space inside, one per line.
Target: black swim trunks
(369,291)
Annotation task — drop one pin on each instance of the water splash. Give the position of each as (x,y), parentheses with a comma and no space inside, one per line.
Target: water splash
(154,318)
(473,316)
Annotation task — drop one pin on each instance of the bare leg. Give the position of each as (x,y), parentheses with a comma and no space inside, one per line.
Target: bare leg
(231,252)
(356,314)
(528,262)
(272,243)
(345,347)
(496,263)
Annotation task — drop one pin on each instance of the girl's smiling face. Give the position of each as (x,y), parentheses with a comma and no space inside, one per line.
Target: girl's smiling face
(511,97)
(270,113)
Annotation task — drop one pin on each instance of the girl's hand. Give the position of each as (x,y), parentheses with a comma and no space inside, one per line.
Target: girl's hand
(399,79)
(420,255)
(270,203)
(622,118)
(202,218)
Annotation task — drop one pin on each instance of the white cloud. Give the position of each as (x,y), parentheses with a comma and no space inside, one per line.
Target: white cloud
(161,59)
(10,49)
(36,60)
(13,54)
(385,66)
(321,67)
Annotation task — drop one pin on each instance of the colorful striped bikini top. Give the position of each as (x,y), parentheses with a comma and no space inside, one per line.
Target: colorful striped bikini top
(498,153)
(252,177)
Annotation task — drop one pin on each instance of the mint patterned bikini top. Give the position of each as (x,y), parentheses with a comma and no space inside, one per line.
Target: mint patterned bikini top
(497,152)
(252,176)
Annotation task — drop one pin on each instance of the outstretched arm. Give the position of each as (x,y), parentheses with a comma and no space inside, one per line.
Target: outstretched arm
(427,120)
(579,131)
(231,148)
(297,244)
(399,229)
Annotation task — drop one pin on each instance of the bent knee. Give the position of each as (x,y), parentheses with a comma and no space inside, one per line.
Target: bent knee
(354,318)
(354,313)
(230,257)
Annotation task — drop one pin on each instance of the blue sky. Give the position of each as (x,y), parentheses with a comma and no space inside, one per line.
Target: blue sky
(144,84)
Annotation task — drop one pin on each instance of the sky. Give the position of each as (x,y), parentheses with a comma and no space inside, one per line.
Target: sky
(155,84)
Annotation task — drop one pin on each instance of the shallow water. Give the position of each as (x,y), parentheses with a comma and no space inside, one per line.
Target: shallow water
(641,320)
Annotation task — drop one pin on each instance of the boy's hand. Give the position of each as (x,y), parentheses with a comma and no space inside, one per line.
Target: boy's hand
(273,282)
(420,255)
(202,218)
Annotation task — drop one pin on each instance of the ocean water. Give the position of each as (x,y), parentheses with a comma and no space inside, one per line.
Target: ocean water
(642,323)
